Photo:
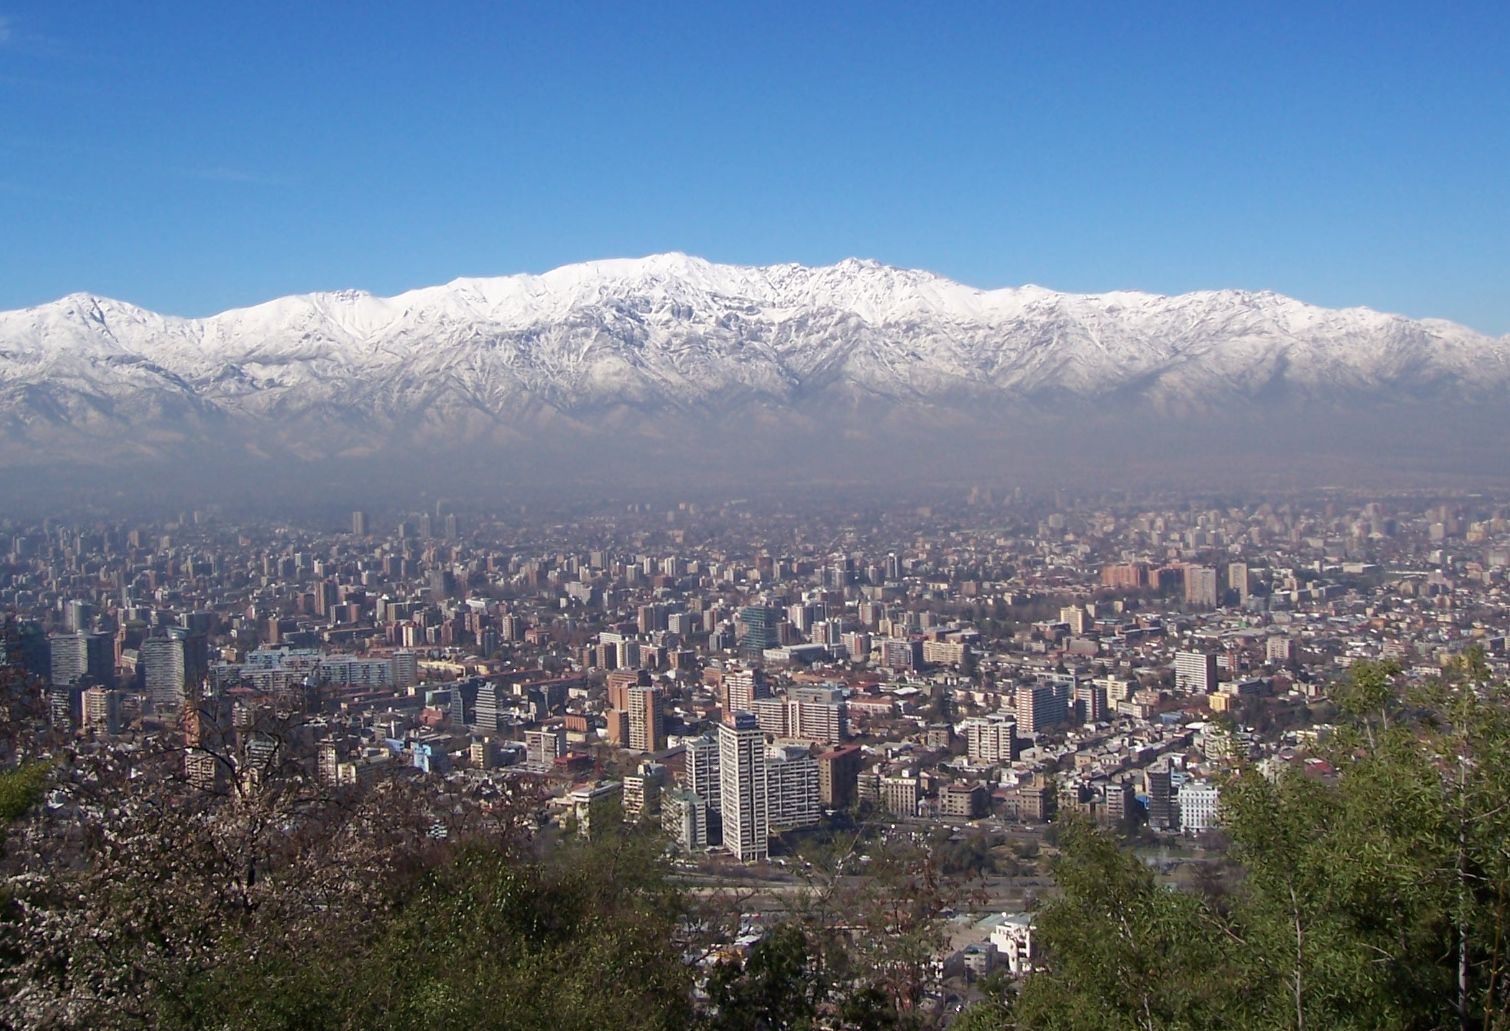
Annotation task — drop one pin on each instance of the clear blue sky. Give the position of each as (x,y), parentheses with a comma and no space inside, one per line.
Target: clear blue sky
(192,157)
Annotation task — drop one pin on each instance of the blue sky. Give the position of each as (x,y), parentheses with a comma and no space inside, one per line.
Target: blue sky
(193,157)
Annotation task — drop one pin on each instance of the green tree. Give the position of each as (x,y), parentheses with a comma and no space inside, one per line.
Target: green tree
(1121,950)
(778,987)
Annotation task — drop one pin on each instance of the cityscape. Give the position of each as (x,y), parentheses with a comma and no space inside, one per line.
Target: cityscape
(750,680)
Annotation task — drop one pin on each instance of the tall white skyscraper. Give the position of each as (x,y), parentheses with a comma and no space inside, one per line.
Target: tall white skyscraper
(742,782)
(163,658)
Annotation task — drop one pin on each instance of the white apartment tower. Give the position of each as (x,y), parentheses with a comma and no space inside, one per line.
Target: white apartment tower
(163,659)
(742,783)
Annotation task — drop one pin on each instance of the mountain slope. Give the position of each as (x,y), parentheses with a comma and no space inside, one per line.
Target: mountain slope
(631,346)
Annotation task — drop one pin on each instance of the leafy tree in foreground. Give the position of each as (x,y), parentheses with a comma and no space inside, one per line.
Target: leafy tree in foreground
(778,987)
(1123,952)
(1372,895)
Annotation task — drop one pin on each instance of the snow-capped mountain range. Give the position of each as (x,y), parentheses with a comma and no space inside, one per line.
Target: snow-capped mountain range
(622,345)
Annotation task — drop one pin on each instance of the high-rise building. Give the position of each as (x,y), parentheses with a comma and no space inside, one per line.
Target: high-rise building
(100,657)
(1201,587)
(24,643)
(650,618)
(489,709)
(1090,702)
(647,719)
(77,615)
(1239,581)
(543,746)
(405,670)
(817,714)
(101,710)
(1162,814)
(684,818)
(1199,803)
(1075,618)
(1125,576)
(700,770)
(1280,650)
(899,792)
(359,524)
(758,631)
(593,804)
(162,662)
(992,739)
(743,800)
(620,682)
(1043,705)
(1195,672)
(856,646)
(65,705)
(642,792)
(69,658)
(792,789)
(838,776)
(741,689)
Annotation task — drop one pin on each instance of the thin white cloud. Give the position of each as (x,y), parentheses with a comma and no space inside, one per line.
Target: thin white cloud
(4,29)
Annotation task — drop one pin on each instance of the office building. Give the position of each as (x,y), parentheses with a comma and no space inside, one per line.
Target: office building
(758,631)
(899,792)
(100,658)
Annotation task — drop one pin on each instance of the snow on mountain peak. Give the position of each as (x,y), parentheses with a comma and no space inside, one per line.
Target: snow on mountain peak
(676,333)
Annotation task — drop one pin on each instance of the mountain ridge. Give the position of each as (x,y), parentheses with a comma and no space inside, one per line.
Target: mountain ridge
(624,345)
